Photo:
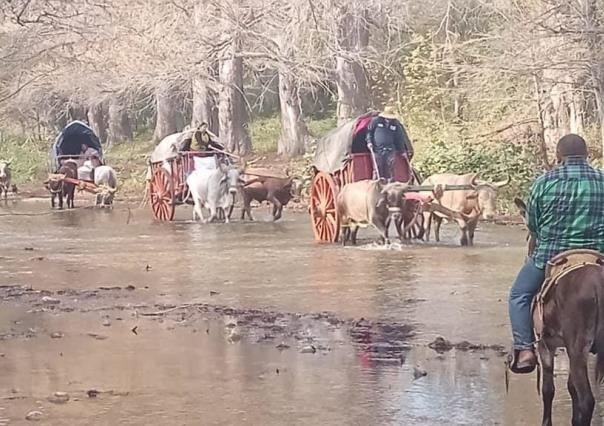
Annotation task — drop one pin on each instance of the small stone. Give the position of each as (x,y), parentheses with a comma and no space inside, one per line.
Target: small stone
(34,416)
(56,335)
(234,336)
(308,350)
(97,336)
(50,300)
(92,393)
(419,372)
(130,287)
(106,322)
(59,398)
(282,346)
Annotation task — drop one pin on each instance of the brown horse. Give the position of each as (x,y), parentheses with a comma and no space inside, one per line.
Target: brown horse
(569,313)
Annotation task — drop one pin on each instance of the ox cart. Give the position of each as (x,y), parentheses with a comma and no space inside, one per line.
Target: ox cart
(68,147)
(343,157)
(169,165)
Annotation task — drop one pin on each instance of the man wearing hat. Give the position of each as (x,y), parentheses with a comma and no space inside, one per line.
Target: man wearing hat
(385,136)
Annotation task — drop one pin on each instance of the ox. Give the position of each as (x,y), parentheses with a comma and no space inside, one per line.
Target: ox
(215,190)
(5,178)
(470,204)
(371,202)
(105,178)
(277,191)
(60,188)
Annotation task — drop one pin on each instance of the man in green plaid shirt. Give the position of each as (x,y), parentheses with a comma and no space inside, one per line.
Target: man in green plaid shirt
(565,210)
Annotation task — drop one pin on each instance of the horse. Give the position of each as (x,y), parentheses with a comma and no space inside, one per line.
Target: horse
(568,312)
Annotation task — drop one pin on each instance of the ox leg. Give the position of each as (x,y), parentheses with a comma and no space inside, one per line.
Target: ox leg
(428,225)
(345,231)
(60,195)
(277,207)
(383,230)
(353,236)
(52,201)
(547,388)
(247,207)
(398,224)
(437,222)
(471,229)
(197,211)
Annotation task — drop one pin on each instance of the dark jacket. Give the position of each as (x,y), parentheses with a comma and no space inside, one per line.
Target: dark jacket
(388,134)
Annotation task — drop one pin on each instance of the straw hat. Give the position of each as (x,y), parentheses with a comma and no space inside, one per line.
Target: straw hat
(389,112)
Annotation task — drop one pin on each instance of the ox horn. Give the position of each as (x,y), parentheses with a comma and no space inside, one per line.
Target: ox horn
(501,183)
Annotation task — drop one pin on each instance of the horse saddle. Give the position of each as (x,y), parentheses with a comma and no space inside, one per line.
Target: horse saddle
(556,268)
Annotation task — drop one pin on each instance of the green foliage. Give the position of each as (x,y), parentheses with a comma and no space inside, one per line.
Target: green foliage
(492,161)
(29,157)
(265,132)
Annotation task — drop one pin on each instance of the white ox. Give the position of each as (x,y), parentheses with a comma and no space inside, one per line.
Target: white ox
(214,189)
(105,178)
(470,204)
(5,178)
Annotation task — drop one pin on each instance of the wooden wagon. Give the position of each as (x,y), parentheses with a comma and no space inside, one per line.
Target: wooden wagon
(343,157)
(67,147)
(169,165)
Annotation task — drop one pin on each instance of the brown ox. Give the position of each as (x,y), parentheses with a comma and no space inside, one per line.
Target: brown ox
(371,202)
(277,191)
(472,204)
(61,188)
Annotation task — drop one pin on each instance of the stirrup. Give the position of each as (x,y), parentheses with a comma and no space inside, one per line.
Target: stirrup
(512,363)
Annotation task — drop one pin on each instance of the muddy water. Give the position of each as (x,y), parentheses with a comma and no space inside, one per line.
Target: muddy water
(200,355)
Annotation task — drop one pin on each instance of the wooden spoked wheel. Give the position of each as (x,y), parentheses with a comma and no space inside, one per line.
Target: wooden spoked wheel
(324,209)
(161,193)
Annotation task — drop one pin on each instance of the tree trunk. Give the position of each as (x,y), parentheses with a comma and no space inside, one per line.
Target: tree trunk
(204,105)
(120,129)
(97,118)
(166,114)
(294,133)
(351,80)
(232,112)
(77,112)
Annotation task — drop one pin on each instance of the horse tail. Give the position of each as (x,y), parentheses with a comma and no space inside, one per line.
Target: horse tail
(598,345)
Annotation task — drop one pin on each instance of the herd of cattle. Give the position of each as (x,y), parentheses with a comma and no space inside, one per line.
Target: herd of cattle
(380,203)
(373,202)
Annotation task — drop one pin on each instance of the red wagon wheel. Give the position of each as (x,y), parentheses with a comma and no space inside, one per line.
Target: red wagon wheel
(324,209)
(162,194)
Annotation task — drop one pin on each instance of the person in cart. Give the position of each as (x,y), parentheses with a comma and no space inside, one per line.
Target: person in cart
(385,137)
(88,153)
(204,140)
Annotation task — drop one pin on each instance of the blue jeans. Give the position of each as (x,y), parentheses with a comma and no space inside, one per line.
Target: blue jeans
(525,288)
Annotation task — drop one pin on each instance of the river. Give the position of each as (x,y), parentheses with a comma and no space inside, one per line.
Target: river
(190,324)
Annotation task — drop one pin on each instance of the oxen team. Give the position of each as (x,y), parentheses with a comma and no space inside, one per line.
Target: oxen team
(378,203)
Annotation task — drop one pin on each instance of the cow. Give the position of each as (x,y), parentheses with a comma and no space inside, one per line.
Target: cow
(215,190)
(277,191)
(371,202)
(105,178)
(5,178)
(471,204)
(60,188)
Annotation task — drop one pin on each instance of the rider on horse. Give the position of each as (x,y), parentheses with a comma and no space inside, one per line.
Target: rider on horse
(565,210)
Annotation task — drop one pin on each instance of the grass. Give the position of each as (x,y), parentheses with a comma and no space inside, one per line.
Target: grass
(265,132)
(29,157)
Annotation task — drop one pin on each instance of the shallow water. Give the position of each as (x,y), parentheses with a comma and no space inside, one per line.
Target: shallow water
(188,372)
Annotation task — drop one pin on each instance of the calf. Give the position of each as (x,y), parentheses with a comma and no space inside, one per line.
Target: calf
(5,178)
(371,202)
(105,177)
(60,188)
(277,191)
(215,190)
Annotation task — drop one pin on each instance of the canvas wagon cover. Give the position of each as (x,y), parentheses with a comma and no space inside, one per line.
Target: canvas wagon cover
(334,148)
(70,140)
(169,146)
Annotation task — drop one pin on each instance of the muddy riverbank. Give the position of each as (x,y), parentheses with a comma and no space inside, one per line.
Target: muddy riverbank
(252,323)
